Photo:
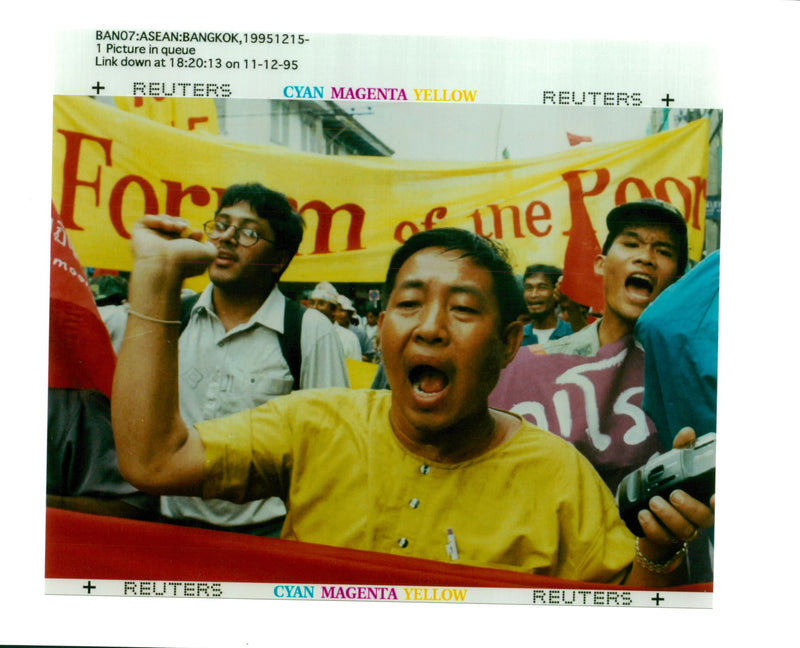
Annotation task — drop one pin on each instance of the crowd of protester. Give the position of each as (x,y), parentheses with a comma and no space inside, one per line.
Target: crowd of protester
(250,424)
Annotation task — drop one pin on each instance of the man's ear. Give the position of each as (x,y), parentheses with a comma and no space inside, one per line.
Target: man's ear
(600,264)
(512,338)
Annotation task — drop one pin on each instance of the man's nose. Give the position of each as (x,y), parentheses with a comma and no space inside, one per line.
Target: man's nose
(432,326)
(646,254)
(229,234)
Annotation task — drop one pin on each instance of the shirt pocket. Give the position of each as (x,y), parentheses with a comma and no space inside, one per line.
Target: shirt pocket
(265,385)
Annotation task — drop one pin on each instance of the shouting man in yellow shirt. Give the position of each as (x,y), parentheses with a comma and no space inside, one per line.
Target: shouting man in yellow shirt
(426,469)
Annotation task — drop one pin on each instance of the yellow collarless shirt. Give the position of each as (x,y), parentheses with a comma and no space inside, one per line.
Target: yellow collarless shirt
(533,504)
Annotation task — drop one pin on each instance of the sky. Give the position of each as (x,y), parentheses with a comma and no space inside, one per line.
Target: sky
(480,132)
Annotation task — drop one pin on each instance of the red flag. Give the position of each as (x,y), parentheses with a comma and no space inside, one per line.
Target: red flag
(574,140)
(81,355)
(579,281)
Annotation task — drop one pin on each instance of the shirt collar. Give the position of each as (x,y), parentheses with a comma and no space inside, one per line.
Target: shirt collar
(270,313)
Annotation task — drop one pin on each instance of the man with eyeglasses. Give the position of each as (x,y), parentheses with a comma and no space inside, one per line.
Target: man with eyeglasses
(230,357)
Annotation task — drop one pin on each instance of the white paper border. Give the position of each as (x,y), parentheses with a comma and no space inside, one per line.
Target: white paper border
(753,601)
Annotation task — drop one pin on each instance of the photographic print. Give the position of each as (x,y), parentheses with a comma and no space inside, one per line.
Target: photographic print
(340,322)
(590,205)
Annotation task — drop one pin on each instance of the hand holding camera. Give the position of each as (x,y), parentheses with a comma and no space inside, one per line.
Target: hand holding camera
(689,469)
(666,502)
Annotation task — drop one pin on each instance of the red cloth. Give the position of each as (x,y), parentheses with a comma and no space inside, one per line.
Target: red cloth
(81,354)
(91,546)
(579,281)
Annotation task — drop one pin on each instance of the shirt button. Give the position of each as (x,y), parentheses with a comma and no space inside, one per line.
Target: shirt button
(403,542)
(424,469)
(414,503)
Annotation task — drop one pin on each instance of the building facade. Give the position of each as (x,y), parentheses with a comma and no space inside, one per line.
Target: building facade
(307,126)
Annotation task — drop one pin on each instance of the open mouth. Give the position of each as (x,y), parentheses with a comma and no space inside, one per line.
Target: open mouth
(640,285)
(428,380)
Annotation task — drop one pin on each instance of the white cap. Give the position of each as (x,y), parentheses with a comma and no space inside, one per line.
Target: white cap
(346,304)
(326,292)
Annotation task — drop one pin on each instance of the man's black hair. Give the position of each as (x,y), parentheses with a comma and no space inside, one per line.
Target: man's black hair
(484,252)
(549,271)
(274,208)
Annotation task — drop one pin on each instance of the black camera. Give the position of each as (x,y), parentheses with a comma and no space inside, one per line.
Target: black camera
(690,469)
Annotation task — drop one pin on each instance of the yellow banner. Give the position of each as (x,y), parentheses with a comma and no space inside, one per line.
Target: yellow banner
(110,167)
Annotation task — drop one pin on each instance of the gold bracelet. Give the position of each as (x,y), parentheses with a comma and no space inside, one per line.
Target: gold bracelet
(665,567)
(152,319)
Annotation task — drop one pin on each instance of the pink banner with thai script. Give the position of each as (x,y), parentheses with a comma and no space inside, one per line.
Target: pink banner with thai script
(593,402)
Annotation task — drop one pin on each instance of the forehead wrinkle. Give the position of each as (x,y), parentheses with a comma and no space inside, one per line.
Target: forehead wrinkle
(636,233)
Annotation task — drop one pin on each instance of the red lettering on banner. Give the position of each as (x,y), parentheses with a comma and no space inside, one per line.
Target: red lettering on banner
(476,217)
(700,185)
(196,120)
(531,218)
(436,212)
(498,222)
(322,242)
(538,210)
(427,224)
(117,195)
(220,191)
(577,193)
(683,190)
(581,184)
(691,196)
(621,196)
(70,181)
(176,194)
(399,231)
(497,213)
